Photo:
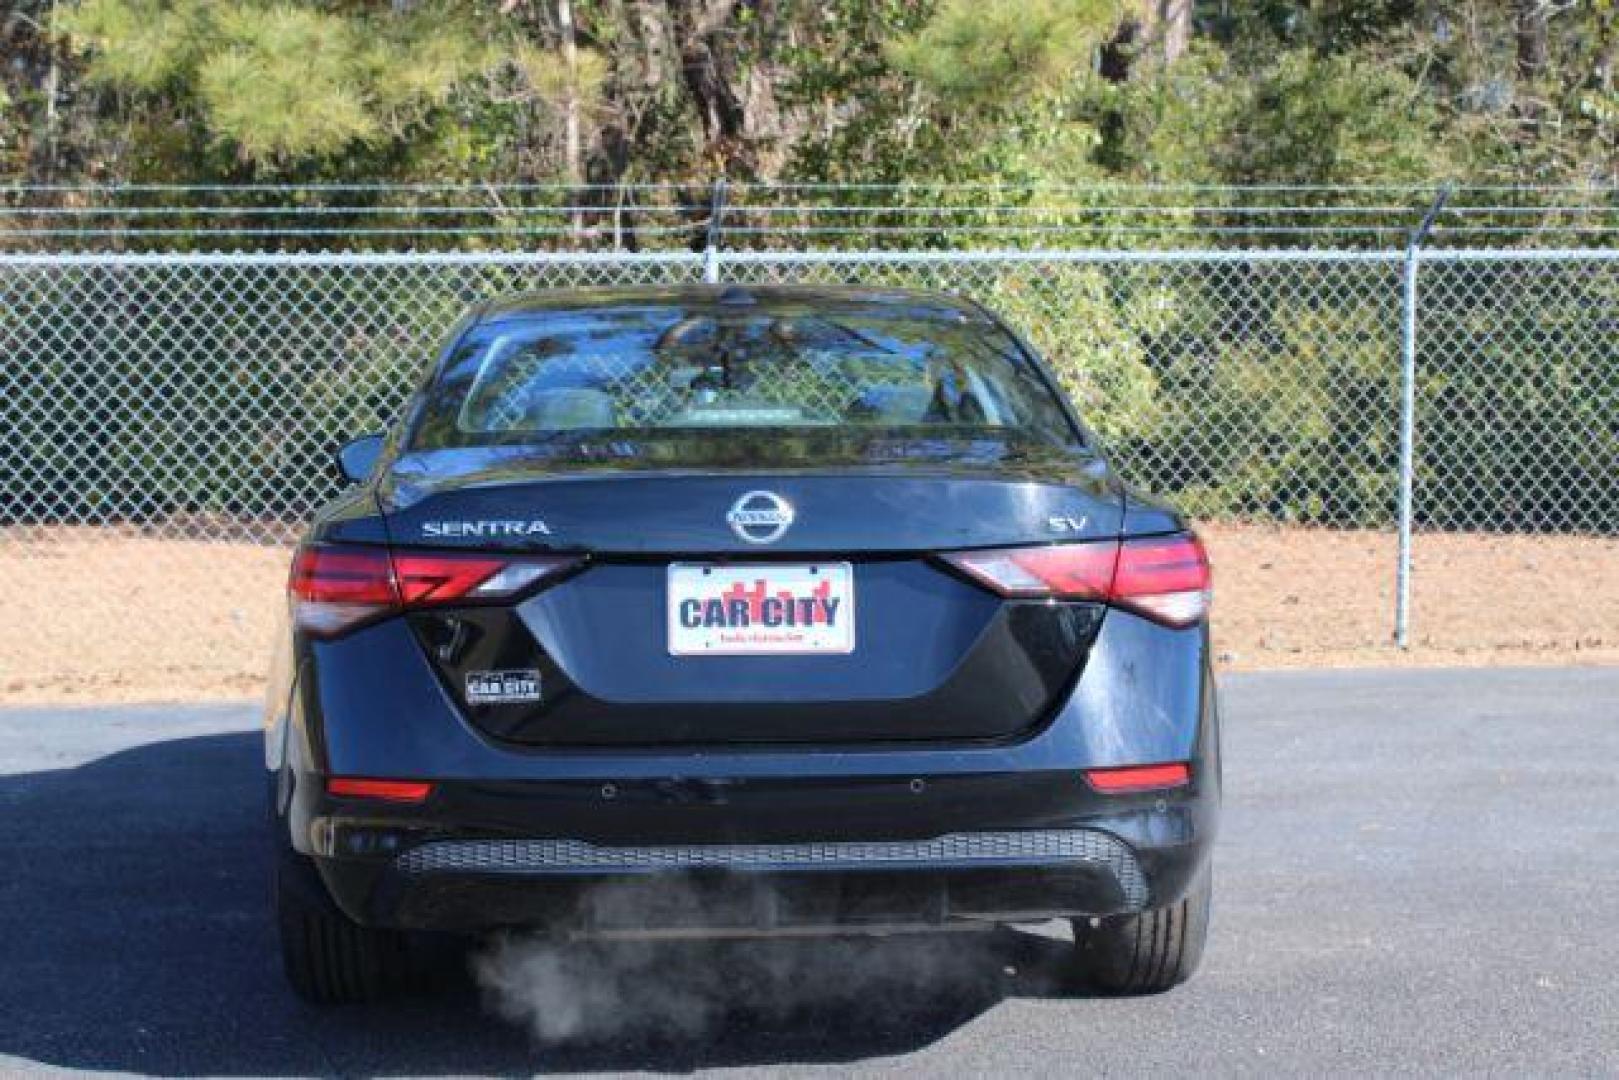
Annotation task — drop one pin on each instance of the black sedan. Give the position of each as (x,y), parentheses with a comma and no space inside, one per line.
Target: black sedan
(733,611)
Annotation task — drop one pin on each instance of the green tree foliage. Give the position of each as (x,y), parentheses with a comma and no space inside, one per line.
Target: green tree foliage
(973,53)
(278,83)
(1313,119)
(1320,91)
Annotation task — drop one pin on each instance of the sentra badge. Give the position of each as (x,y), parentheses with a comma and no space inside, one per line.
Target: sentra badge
(485,528)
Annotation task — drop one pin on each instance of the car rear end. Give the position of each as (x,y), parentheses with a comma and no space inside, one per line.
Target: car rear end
(738,613)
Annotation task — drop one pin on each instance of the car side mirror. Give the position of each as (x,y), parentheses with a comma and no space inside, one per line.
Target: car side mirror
(356,458)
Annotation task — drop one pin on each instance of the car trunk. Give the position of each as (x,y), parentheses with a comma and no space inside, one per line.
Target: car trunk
(658,636)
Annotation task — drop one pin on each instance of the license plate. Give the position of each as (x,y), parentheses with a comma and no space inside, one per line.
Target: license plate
(761,609)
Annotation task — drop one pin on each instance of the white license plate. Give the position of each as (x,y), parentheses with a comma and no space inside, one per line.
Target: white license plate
(761,608)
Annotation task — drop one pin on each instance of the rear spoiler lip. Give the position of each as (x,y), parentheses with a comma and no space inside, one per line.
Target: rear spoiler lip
(400,490)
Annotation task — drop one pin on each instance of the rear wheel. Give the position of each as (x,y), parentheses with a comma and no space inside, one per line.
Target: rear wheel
(1149,952)
(328,957)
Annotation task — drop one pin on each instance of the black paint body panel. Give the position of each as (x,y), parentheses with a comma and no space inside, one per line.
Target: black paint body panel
(942,659)
(867,510)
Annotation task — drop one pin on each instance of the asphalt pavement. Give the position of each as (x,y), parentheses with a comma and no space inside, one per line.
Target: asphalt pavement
(1418,873)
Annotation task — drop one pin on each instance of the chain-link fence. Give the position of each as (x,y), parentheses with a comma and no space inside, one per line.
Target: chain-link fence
(185,406)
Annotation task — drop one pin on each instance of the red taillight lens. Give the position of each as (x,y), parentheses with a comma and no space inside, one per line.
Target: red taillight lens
(1129,778)
(336,588)
(432,578)
(1165,578)
(353,787)
(330,575)
(1064,571)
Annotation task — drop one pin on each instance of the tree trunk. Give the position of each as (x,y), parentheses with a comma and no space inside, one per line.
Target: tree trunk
(33,68)
(572,150)
(1159,30)
(708,66)
(732,69)
(1532,19)
(1174,29)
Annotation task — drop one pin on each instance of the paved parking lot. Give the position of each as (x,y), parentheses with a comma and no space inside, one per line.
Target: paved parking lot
(1419,873)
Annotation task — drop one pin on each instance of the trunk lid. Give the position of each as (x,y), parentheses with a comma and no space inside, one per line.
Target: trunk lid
(934,656)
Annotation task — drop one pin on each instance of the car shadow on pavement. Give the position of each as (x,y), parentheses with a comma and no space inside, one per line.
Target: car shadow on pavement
(135,936)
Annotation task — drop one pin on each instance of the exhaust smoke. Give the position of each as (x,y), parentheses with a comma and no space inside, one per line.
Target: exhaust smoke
(683,989)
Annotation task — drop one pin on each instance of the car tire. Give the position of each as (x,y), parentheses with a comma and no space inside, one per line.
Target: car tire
(329,958)
(1146,953)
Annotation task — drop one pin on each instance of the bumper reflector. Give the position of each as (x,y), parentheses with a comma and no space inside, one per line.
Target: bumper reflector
(405,791)
(1139,778)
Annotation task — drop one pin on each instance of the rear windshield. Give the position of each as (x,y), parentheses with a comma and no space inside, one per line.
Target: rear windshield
(685,376)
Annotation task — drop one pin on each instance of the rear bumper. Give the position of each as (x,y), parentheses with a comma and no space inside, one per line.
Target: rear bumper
(761,900)
(413,874)
(756,839)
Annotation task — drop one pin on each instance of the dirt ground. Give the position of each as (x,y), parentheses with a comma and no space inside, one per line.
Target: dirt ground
(88,618)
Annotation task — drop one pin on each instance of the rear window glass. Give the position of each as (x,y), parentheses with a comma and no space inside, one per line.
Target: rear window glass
(696,374)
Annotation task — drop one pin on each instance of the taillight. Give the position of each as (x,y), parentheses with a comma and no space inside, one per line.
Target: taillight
(333,588)
(1063,571)
(433,578)
(336,588)
(1165,578)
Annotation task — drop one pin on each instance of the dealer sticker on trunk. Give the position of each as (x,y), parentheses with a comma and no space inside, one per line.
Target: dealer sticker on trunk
(510,687)
(769,608)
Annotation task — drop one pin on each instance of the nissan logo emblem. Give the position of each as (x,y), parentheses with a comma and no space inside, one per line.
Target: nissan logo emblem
(760,517)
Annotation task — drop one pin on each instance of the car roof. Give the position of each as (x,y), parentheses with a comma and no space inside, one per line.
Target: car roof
(777,299)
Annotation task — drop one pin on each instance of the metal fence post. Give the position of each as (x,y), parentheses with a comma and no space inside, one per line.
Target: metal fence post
(1408,415)
(716,223)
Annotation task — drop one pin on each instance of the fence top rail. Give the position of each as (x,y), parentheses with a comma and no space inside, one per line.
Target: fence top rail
(1061,255)
(66,260)
(312,260)
(1525,254)
(317,259)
